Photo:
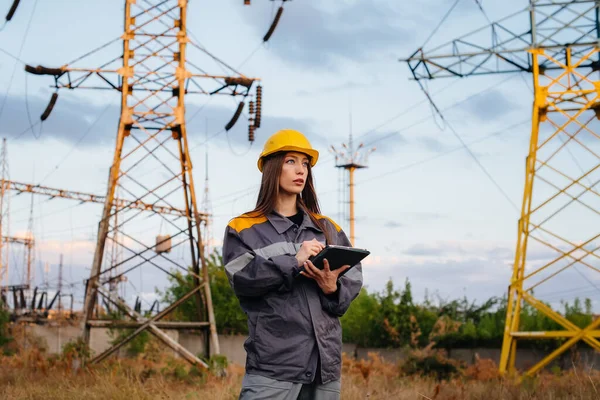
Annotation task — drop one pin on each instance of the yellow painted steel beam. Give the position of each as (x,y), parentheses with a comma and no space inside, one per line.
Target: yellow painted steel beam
(565,100)
(583,334)
(552,334)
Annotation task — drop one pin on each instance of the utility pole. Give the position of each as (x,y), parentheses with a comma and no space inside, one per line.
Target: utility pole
(30,249)
(46,273)
(350,160)
(59,316)
(206,203)
(559,47)
(151,162)
(4,219)
(60,285)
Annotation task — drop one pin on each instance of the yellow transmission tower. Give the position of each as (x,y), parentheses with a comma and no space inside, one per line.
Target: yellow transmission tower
(557,42)
(151,165)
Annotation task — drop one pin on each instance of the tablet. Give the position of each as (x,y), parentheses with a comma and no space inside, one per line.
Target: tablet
(338,256)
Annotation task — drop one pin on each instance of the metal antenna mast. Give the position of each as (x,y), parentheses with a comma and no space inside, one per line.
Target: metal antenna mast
(152,164)
(351,159)
(207,206)
(4,221)
(559,47)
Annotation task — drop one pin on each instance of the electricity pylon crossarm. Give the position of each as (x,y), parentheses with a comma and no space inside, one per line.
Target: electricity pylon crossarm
(152,164)
(21,187)
(504,46)
(557,42)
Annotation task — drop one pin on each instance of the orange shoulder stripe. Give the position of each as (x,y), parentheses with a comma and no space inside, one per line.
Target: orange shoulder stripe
(245,221)
(336,226)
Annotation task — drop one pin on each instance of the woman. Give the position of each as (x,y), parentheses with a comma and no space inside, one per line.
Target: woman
(294,346)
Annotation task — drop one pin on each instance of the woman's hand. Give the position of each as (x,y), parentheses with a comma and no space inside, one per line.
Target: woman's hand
(308,249)
(325,278)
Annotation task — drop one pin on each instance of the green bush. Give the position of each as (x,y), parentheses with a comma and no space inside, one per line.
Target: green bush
(230,317)
(217,364)
(4,323)
(383,319)
(433,364)
(76,348)
(136,346)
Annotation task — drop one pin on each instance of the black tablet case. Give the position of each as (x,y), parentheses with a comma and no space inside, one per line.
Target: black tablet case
(338,256)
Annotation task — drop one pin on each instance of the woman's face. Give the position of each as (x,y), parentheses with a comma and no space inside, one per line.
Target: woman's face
(294,173)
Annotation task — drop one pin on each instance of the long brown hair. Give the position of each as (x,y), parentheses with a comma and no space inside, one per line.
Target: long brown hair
(307,201)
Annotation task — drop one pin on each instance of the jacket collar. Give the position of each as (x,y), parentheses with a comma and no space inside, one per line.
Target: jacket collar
(282,224)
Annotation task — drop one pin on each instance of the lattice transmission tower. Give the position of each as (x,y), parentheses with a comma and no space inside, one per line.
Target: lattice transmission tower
(557,42)
(151,165)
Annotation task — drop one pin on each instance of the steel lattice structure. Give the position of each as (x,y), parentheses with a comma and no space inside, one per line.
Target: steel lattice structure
(151,165)
(21,187)
(560,212)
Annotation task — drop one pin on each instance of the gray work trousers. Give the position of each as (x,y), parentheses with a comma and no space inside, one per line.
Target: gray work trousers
(256,387)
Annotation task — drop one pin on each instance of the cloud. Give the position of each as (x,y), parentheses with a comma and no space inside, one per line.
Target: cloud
(458,250)
(489,106)
(393,139)
(69,121)
(336,88)
(422,249)
(422,216)
(393,224)
(477,278)
(78,120)
(321,35)
(433,144)
(501,253)
(404,219)
(80,251)
(537,254)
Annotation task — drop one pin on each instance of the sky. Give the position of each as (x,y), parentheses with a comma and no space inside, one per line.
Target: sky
(424,207)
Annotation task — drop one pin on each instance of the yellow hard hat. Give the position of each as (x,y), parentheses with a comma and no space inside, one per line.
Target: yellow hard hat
(288,140)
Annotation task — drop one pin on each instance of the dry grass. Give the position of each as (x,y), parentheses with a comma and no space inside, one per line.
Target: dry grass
(33,376)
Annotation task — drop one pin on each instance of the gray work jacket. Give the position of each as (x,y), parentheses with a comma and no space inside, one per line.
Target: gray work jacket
(292,324)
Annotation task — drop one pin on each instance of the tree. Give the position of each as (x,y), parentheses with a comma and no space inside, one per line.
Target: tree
(4,321)
(361,323)
(230,317)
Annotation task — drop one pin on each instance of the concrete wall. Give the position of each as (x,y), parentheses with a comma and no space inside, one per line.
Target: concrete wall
(232,347)
(54,337)
(526,358)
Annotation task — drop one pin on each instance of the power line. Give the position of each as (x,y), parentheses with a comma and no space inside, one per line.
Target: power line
(17,58)
(409,109)
(29,112)
(451,106)
(50,213)
(81,138)
(424,119)
(460,139)
(405,111)
(260,45)
(483,11)
(443,154)
(17,136)
(245,192)
(439,25)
